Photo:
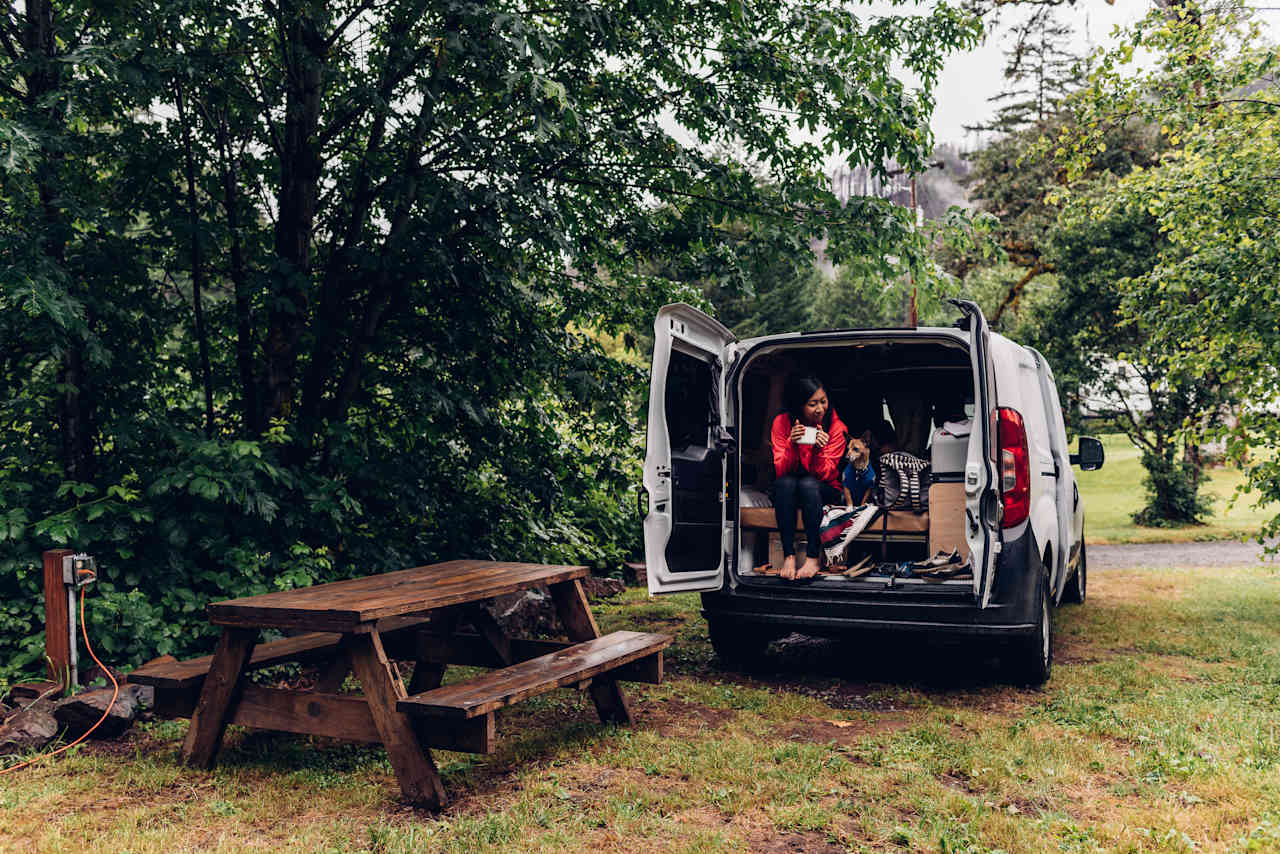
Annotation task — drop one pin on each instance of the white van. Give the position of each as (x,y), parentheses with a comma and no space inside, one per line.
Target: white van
(1005,497)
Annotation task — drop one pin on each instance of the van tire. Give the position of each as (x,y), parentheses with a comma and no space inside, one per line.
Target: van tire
(1029,661)
(737,646)
(1076,588)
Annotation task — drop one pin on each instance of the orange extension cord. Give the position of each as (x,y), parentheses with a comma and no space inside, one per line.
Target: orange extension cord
(84,631)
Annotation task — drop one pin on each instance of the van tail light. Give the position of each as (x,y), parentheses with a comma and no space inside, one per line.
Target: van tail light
(1015,466)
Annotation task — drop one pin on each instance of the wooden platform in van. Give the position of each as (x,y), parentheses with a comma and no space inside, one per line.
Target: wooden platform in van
(892,521)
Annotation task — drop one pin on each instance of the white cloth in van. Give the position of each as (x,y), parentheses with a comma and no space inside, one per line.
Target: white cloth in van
(749,497)
(959,429)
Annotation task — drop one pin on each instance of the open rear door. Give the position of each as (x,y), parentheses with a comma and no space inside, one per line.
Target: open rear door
(684,466)
(981,500)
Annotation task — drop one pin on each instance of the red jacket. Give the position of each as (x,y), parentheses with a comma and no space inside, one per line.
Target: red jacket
(822,463)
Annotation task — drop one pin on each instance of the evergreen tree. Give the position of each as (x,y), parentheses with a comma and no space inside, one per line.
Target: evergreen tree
(1040,70)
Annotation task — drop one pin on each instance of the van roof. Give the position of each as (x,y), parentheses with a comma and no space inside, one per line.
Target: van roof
(825,333)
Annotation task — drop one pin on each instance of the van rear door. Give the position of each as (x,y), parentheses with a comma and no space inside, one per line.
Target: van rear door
(981,500)
(685,455)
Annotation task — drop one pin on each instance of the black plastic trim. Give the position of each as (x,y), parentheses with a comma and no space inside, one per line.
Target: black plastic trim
(821,608)
(845,624)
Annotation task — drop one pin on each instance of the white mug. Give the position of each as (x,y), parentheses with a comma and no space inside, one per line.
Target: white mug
(810,436)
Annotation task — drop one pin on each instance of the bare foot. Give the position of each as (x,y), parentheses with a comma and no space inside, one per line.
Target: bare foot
(788,570)
(810,568)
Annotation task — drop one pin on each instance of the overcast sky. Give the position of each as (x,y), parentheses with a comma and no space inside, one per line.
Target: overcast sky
(970,79)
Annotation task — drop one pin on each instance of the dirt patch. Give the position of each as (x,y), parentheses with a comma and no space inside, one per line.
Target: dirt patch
(793,843)
(843,733)
(995,700)
(596,779)
(754,832)
(1022,806)
(677,718)
(1068,650)
(133,742)
(960,784)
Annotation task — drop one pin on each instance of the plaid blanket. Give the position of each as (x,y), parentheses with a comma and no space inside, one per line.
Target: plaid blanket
(841,524)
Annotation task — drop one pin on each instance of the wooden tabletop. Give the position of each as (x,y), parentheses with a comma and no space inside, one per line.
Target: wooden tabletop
(346,606)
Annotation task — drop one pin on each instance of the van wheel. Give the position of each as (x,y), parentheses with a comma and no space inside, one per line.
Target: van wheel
(738,647)
(1075,591)
(1030,661)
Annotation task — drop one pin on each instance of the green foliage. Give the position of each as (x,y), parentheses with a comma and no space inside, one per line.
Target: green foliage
(296,292)
(1173,492)
(1072,237)
(862,293)
(1203,302)
(810,299)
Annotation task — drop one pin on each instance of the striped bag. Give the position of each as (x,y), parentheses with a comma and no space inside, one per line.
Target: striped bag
(902,480)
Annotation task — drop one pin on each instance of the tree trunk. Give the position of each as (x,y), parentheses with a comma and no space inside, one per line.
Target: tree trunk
(1191,453)
(74,422)
(197,261)
(302,39)
(251,418)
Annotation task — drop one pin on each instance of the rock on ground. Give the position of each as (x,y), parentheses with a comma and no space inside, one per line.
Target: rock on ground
(29,729)
(526,613)
(80,712)
(602,588)
(636,573)
(529,613)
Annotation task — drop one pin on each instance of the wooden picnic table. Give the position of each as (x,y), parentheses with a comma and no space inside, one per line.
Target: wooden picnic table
(361,625)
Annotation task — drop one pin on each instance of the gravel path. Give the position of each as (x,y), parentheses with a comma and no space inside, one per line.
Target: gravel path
(1227,553)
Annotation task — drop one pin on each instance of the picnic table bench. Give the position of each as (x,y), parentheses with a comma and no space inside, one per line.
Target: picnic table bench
(361,626)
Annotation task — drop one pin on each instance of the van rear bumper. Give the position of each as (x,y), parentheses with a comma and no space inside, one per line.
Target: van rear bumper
(827,625)
(785,607)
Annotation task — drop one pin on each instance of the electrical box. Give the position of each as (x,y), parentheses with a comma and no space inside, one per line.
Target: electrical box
(79,570)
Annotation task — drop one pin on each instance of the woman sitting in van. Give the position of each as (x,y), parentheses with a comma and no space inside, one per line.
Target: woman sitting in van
(808,443)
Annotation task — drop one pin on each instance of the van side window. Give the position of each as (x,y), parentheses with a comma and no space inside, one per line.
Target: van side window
(690,400)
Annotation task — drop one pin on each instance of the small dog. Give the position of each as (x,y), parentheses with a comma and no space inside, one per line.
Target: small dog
(859,477)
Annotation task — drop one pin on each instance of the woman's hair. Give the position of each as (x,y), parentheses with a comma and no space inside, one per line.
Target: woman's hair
(796,393)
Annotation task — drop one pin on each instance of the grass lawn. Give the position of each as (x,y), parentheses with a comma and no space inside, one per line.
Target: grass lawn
(1114,493)
(1158,732)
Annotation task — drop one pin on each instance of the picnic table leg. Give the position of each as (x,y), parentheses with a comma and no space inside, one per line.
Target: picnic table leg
(419,780)
(334,671)
(429,674)
(218,697)
(492,632)
(580,625)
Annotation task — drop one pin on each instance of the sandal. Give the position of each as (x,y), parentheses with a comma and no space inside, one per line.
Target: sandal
(862,567)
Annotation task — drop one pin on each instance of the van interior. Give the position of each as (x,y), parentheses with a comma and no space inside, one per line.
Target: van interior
(908,389)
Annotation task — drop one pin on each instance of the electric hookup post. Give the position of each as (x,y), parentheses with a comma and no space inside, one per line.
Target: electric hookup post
(64,573)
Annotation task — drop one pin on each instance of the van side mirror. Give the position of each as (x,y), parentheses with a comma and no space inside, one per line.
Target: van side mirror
(1091,455)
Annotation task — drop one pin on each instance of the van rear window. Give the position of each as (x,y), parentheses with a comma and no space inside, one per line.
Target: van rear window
(690,400)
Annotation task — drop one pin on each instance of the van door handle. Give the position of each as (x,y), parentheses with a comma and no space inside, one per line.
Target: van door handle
(724,441)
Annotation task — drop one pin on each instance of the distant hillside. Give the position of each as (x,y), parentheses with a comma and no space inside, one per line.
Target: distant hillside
(937,190)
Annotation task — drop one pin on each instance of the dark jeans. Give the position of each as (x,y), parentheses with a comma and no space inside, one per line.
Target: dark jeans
(809,494)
